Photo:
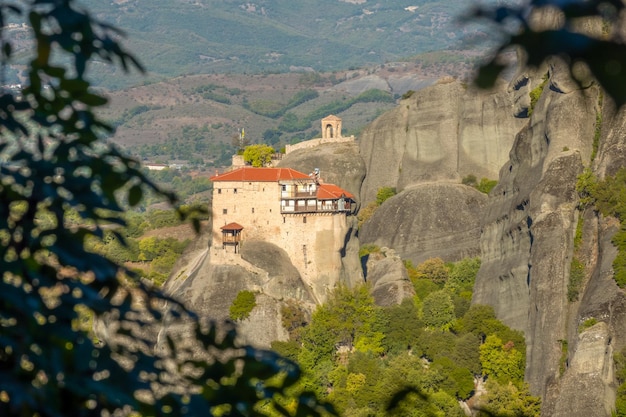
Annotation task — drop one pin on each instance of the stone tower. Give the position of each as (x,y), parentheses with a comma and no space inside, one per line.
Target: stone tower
(331,127)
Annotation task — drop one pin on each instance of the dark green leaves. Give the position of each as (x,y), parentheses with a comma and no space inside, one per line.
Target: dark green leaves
(603,52)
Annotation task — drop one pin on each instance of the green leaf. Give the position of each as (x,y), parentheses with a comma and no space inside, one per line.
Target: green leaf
(135,194)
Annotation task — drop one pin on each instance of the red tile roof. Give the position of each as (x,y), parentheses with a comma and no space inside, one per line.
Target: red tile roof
(332,192)
(261,174)
(232,226)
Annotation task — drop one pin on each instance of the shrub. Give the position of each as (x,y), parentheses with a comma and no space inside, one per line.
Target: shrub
(576,276)
(536,93)
(587,324)
(486,185)
(470,180)
(367,249)
(384,193)
(242,305)
(408,94)
(366,213)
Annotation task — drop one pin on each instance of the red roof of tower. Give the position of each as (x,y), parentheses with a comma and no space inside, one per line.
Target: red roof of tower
(261,174)
(332,192)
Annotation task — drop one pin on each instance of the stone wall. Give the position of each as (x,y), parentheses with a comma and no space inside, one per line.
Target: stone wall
(317,142)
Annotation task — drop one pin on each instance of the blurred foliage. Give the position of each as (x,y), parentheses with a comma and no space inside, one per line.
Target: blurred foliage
(57,167)
(602,52)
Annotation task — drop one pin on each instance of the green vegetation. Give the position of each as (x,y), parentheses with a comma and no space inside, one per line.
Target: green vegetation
(368,249)
(130,113)
(291,122)
(152,257)
(382,195)
(536,93)
(242,305)
(587,324)
(186,186)
(274,110)
(576,277)
(240,40)
(620,374)
(484,186)
(408,94)
(609,198)
(597,132)
(425,352)
(258,155)
(563,359)
(216,93)
(577,267)
(198,146)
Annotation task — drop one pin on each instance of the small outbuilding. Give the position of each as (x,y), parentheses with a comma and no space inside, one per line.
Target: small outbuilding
(231,235)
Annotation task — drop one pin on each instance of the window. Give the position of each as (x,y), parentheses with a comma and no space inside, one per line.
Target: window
(284,220)
(224,211)
(304,219)
(252,210)
(283,187)
(234,191)
(219,191)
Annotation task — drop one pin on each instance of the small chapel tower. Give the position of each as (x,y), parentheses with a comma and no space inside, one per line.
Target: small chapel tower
(331,127)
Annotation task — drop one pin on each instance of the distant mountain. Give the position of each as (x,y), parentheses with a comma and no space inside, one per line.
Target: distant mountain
(176,37)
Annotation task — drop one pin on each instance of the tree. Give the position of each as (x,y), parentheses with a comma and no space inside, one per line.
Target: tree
(501,361)
(438,310)
(258,155)
(603,53)
(508,400)
(54,162)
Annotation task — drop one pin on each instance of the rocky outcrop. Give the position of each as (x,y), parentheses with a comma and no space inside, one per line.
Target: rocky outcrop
(387,277)
(591,372)
(339,163)
(441,133)
(263,268)
(429,220)
(284,280)
(527,248)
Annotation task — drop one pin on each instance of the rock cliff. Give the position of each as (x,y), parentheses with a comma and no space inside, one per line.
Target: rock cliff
(441,133)
(429,220)
(524,231)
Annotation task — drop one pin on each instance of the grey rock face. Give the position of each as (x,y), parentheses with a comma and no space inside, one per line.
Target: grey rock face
(527,249)
(387,277)
(283,278)
(429,220)
(339,164)
(441,133)
(591,372)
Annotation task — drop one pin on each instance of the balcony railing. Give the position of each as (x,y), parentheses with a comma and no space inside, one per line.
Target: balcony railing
(314,209)
(302,194)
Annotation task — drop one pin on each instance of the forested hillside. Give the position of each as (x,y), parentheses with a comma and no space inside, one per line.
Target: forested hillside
(434,347)
(208,36)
